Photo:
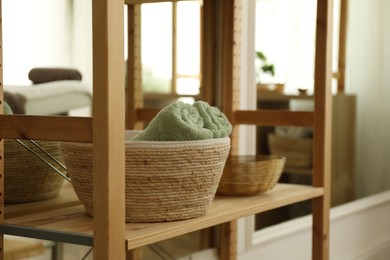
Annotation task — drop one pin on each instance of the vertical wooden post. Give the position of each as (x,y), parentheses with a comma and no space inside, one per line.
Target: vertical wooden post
(342,45)
(208,51)
(322,128)
(230,62)
(230,26)
(134,68)
(108,130)
(228,241)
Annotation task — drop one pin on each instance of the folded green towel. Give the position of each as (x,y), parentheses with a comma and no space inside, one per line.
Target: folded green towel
(176,122)
(214,119)
(7,109)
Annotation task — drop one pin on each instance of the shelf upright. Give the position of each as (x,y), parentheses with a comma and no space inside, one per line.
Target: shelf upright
(322,128)
(108,129)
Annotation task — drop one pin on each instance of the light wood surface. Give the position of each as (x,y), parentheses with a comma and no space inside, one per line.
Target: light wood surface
(108,130)
(342,46)
(322,128)
(223,209)
(66,198)
(60,128)
(230,68)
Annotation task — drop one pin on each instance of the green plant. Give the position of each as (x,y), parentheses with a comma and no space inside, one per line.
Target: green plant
(265,67)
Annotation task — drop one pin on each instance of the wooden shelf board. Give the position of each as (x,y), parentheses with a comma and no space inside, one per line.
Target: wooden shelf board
(66,198)
(224,209)
(264,96)
(70,224)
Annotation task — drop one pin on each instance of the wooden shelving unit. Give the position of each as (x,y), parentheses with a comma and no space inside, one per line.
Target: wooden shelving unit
(64,217)
(64,220)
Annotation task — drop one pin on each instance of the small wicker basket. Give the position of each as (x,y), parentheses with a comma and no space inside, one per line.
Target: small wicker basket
(165,181)
(26,177)
(249,175)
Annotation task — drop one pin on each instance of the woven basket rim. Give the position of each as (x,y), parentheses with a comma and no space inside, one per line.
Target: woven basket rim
(162,144)
(260,158)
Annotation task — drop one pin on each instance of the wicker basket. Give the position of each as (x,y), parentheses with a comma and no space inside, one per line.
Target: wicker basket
(165,181)
(249,175)
(298,151)
(27,178)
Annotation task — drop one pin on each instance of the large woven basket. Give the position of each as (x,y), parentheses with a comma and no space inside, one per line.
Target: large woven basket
(27,178)
(249,175)
(165,181)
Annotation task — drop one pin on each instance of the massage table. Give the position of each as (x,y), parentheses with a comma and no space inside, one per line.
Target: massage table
(50,98)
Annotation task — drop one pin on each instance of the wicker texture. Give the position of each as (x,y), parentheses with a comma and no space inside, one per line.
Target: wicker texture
(298,151)
(165,181)
(27,178)
(249,175)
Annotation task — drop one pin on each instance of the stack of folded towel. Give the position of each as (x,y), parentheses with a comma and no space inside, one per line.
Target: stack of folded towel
(182,122)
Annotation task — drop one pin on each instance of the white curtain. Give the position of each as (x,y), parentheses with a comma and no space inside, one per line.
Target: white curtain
(368,76)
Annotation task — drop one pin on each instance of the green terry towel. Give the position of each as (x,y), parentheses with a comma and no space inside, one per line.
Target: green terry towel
(214,119)
(176,122)
(7,109)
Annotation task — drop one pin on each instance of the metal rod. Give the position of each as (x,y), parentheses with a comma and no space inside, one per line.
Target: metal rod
(48,154)
(43,159)
(161,252)
(156,252)
(86,255)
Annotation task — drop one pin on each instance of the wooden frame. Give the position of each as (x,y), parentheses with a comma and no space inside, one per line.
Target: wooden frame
(111,237)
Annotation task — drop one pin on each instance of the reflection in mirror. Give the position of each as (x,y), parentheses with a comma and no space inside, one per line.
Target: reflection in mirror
(170,51)
(43,73)
(285,42)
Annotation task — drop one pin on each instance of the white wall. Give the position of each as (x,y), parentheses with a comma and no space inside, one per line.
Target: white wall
(30,39)
(82,38)
(360,230)
(368,76)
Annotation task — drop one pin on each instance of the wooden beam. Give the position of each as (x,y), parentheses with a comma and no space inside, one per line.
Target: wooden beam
(108,130)
(342,46)
(133,68)
(322,128)
(273,118)
(50,128)
(228,241)
(208,51)
(230,45)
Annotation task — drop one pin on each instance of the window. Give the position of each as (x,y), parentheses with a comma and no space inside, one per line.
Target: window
(171,48)
(285,33)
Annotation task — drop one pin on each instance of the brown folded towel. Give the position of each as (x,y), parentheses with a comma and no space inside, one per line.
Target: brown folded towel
(15,101)
(42,75)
